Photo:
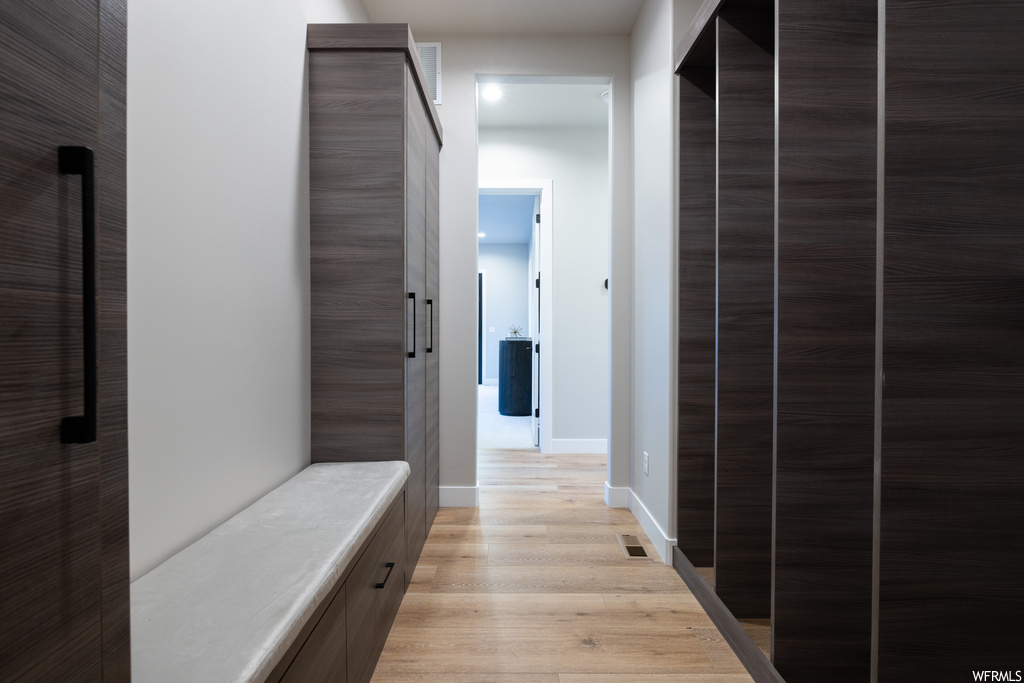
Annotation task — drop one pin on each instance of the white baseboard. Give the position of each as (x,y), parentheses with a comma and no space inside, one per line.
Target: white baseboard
(662,543)
(460,496)
(579,446)
(490,382)
(616,496)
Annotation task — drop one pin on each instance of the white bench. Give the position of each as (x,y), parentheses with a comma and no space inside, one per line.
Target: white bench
(241,603)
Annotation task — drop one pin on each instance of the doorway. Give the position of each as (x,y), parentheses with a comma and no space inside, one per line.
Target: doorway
(548,133)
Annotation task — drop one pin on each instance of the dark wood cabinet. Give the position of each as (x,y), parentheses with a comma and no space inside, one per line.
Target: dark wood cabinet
(63,498)
(895,471)
(374,215)
(344,639)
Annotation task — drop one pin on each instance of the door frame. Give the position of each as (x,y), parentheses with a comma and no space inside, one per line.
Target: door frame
(541,187)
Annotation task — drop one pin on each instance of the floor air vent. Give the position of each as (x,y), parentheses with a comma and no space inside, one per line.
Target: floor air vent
(631,546)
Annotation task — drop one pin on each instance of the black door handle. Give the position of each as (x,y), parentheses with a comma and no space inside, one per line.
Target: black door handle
(412,296)
(79,161)
(390,566)
(430,328)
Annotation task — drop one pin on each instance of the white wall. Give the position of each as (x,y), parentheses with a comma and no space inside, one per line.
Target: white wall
(464,58)
(218,260)
(653,497)
(506,268)
(576,160)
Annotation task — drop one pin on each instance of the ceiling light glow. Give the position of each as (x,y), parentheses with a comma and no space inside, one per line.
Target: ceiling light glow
(481,234)
(491,92)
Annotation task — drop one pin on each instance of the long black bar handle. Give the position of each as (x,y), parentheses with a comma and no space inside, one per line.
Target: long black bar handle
(390,566)
(79,161)
(412,354)
(430,328)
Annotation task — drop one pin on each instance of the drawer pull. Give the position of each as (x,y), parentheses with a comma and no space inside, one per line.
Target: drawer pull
(390,566)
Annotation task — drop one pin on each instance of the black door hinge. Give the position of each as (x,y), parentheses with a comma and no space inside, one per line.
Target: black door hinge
(538,218)
(536,412)
(536,283)
(536,347)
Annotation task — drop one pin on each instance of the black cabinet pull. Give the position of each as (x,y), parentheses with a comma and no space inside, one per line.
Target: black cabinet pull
(390,566)
(79,161)
(412,296)
(430,328)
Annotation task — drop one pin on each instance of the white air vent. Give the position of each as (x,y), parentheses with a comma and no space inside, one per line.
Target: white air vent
(430,57)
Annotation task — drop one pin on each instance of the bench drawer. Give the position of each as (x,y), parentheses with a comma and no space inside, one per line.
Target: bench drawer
(373,593)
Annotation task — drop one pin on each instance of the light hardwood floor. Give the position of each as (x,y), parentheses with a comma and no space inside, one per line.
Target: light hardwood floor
(533,587)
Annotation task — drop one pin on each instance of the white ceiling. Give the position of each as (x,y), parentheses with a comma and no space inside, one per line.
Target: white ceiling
(506,218)
(544,104)
(592,17)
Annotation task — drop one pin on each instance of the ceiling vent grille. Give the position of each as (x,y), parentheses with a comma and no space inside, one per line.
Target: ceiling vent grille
(430,58)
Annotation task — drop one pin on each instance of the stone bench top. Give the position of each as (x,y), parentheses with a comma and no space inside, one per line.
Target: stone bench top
(227,607)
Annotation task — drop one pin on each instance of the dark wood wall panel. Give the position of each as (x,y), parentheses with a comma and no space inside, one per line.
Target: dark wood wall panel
(433,218)
(416,322)
(952,539)
(746,254)
(113,343)
(357,255)
(826,339)
(696,440)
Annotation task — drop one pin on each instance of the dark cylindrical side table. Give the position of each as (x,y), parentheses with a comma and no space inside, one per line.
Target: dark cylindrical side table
(515,365)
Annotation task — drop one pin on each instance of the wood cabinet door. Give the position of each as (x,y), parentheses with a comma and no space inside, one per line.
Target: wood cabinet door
(433,327)
(51,531)
(415,276)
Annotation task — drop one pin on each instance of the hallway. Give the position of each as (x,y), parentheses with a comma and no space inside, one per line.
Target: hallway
(533,587)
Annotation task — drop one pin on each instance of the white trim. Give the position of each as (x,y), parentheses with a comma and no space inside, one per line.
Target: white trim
(460,496)
(575,445)
(490,381)
(616,496)
(543,188)
(662,543)
(482,308)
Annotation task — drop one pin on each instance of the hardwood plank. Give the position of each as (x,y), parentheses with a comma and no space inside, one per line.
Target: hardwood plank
(445,677)
(563,516)
(595,533)
(654,678)
(554,555)
(951,589)
(827,239)
(472,533)
(680,610)
(630,579)
(484,610)
(453,553)
(543,649)
(746,271)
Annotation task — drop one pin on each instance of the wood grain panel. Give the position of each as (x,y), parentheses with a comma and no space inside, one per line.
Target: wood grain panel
(749,655)
(51,531)
(697,302)
(370,610)
(951,589)
(111,183)
(395,38)
(433,416)
(357,258)
(746,218)
(826,339)
(416,323)
(322,658)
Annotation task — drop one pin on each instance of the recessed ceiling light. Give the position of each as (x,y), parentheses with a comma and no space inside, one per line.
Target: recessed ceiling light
(606,96)
(481,234)
(492,92)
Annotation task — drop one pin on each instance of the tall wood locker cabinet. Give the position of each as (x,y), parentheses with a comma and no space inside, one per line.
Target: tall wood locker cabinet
(374,143)
(897,482)
(64,593)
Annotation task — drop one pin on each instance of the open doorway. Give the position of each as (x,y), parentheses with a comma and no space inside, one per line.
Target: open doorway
(555,129)
(512,238)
